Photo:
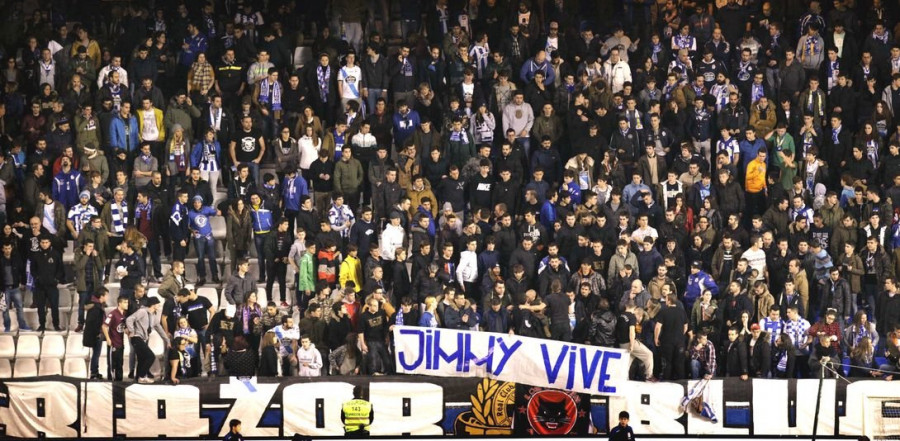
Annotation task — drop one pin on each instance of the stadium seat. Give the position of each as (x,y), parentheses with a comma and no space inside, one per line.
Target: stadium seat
(211,294)
(5,369)
(49,366)
(218,227)
(74,348)
(53,346)
(7,346)
(157,345)
(261,298)
(75,368)
(25,367)
(154,292)
(28,346)
(302,56)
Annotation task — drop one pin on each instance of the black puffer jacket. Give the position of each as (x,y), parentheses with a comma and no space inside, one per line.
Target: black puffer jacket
(602,328)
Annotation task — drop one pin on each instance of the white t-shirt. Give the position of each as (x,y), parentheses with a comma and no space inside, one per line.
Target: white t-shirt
(149,131)
(756,260)
(350,79)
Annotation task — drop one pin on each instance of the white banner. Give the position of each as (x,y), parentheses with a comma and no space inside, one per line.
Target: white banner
(533,361)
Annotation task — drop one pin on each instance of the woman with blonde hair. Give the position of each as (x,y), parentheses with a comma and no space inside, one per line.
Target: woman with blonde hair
(862,360)
(269,363)
(429,317)
(177,165)
(309,145)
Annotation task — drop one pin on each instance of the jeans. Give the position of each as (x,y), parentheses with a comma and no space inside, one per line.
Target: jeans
(14,301)
(352,34)
(254,172)
(698,369)
(116,362)
(672,357)
(374,94)
(95,356)
(145,357)
(377,359)
(213,178)
(83,297)
(259,240)
(642,353)
(407,26)
(277,270)
(153,248)
(206,246)
(44,295)
(526,147)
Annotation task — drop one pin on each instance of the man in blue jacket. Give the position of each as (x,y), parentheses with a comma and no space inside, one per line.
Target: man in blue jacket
(123,131)
(698,282)
(204,241)
(292,189)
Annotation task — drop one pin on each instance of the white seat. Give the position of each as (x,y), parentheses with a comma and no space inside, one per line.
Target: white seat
(74,348)
(75,367)
(25,367)
(53,346)
(5,369)
(154,292)
(49,366)
(7,346)
(302,56)
(261,298)
(157,345)
(211,294)
(218,227)
(28,346)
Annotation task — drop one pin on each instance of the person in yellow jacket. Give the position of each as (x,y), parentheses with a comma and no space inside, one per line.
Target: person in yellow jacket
(755,184)
(351,268)
(151,128)
(357,414)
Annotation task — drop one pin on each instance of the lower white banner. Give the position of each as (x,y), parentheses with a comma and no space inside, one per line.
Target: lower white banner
(525,360)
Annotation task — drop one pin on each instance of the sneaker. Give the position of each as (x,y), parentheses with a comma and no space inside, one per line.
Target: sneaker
(145,380)
(652,379)
(131,375)
(6,329)
(284,304)
(96,377)
(79,328)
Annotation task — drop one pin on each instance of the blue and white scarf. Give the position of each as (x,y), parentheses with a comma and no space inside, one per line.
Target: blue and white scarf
(270,93)
(119,215)
(143,211)
(323,75)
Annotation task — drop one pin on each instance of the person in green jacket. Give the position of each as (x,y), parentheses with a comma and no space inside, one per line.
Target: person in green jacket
(306,283)
(784,154)
(348,177)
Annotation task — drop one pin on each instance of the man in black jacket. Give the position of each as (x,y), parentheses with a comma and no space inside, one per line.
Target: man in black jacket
(93,337)
(12,276)
(735,352)
(47,271)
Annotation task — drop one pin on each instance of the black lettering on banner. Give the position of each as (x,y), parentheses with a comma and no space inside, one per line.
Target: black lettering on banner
(320,413)
(872,407)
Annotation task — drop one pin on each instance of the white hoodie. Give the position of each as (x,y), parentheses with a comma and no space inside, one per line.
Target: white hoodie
(313,358)
(391,238)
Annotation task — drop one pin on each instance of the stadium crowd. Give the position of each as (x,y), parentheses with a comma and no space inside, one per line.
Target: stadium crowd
(712,186)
